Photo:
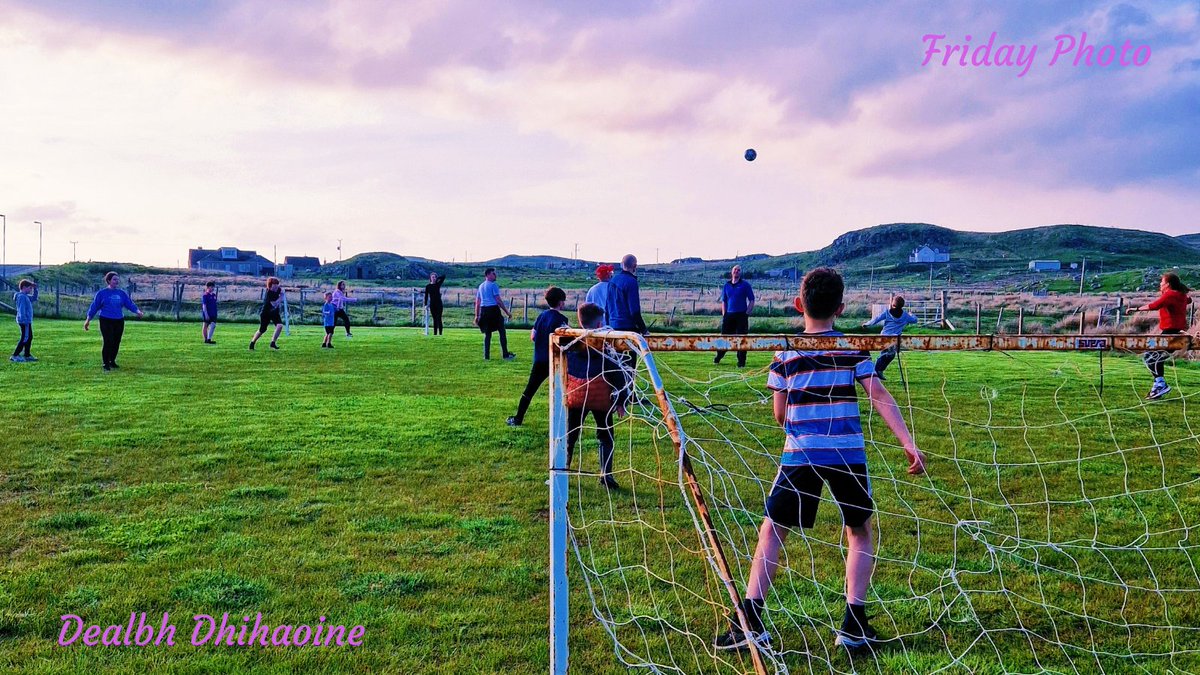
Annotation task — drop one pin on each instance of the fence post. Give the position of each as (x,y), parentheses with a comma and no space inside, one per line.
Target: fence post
(999,318)
(413,312)
(1020,320)
(525,311)
(943,312)
(1082,315)
(178,299)
(1121,310)
(978,316)
(301,305)
(693,306)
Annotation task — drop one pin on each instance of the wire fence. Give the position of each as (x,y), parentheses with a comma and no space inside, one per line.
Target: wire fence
(664,309)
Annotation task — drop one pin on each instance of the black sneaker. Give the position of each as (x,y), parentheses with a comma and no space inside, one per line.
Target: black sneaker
(251,346)
(114,364)
(513,421)
(856,639)
(510,356)
(107,367)
(210,342)
(716,360)
(274,346)
(880,376)
(735,640)
(609,483)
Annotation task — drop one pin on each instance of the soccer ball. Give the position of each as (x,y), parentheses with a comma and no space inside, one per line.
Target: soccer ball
(750,155)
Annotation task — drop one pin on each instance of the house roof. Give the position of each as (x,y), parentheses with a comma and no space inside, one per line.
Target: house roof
(197,256)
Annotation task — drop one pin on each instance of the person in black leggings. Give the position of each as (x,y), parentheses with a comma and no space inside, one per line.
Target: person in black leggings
(587,367)
(547,322)
(433,300)
(110,303)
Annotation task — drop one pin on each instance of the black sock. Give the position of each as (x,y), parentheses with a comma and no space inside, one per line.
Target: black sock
(752,608)
(856,619)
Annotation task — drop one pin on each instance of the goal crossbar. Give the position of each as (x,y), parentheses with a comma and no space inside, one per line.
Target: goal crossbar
(623,340)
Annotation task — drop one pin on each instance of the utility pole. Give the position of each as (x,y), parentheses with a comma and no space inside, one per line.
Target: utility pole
(339,250)
(39,224)
(656,255)
(74,258)
(576,250)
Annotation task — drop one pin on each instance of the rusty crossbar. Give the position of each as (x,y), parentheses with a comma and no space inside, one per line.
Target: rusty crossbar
(679,343)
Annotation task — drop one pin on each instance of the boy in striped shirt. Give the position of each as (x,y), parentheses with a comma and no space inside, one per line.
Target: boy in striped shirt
(816,403)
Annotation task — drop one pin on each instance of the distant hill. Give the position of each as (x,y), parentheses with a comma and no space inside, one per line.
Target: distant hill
(1192,240)
(542,261)
(973,254)
(880,253)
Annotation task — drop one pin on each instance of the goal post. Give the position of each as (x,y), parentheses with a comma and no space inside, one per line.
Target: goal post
(657,406)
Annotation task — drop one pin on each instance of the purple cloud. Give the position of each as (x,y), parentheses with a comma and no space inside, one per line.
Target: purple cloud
(820,62)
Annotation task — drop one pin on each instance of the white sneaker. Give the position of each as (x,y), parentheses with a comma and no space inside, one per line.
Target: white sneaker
(1158,391)
(17,359)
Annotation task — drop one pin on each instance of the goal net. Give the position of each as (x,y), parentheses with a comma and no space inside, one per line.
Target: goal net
(1052,532)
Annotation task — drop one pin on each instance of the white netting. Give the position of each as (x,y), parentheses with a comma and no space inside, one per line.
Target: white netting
(1052,533)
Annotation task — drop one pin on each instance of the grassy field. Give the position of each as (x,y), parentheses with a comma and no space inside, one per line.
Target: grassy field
(376,484)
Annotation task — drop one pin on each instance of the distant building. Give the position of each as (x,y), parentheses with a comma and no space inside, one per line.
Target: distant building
(565,264)
(303,263)
(230,259)
(928,254)
(1044,265)
(687,261)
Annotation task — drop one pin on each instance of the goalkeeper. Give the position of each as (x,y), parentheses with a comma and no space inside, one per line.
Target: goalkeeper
(816,404)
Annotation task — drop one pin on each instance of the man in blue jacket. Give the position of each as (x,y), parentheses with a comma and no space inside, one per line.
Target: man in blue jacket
(625,298)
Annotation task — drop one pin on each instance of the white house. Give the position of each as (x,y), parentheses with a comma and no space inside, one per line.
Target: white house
(1044,265)
(928,254)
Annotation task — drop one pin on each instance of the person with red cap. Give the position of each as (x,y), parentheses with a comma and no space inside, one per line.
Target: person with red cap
(599,294)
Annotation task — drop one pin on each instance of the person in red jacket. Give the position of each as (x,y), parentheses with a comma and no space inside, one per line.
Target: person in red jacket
(1172,320)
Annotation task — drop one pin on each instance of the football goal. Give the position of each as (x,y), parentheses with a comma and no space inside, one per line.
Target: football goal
(1052,531)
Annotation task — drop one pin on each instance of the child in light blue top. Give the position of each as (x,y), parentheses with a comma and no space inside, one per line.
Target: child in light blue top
(328,317)
(23,299)
(894,320)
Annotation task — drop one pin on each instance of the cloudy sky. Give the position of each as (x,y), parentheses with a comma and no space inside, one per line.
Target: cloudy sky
(475,128)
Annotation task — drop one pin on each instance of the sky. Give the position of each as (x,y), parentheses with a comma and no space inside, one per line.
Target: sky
(471,129)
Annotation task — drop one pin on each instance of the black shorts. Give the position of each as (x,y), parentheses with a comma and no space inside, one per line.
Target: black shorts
(490,319)
(265,319)
(212,320)
(329,330)
(796,494)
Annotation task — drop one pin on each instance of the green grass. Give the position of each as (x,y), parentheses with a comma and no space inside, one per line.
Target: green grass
(376,484)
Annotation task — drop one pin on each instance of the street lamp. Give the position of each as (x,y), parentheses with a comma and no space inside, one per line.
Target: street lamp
(39,224)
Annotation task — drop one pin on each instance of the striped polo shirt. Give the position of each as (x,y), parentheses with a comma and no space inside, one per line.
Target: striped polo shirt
(822,423)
